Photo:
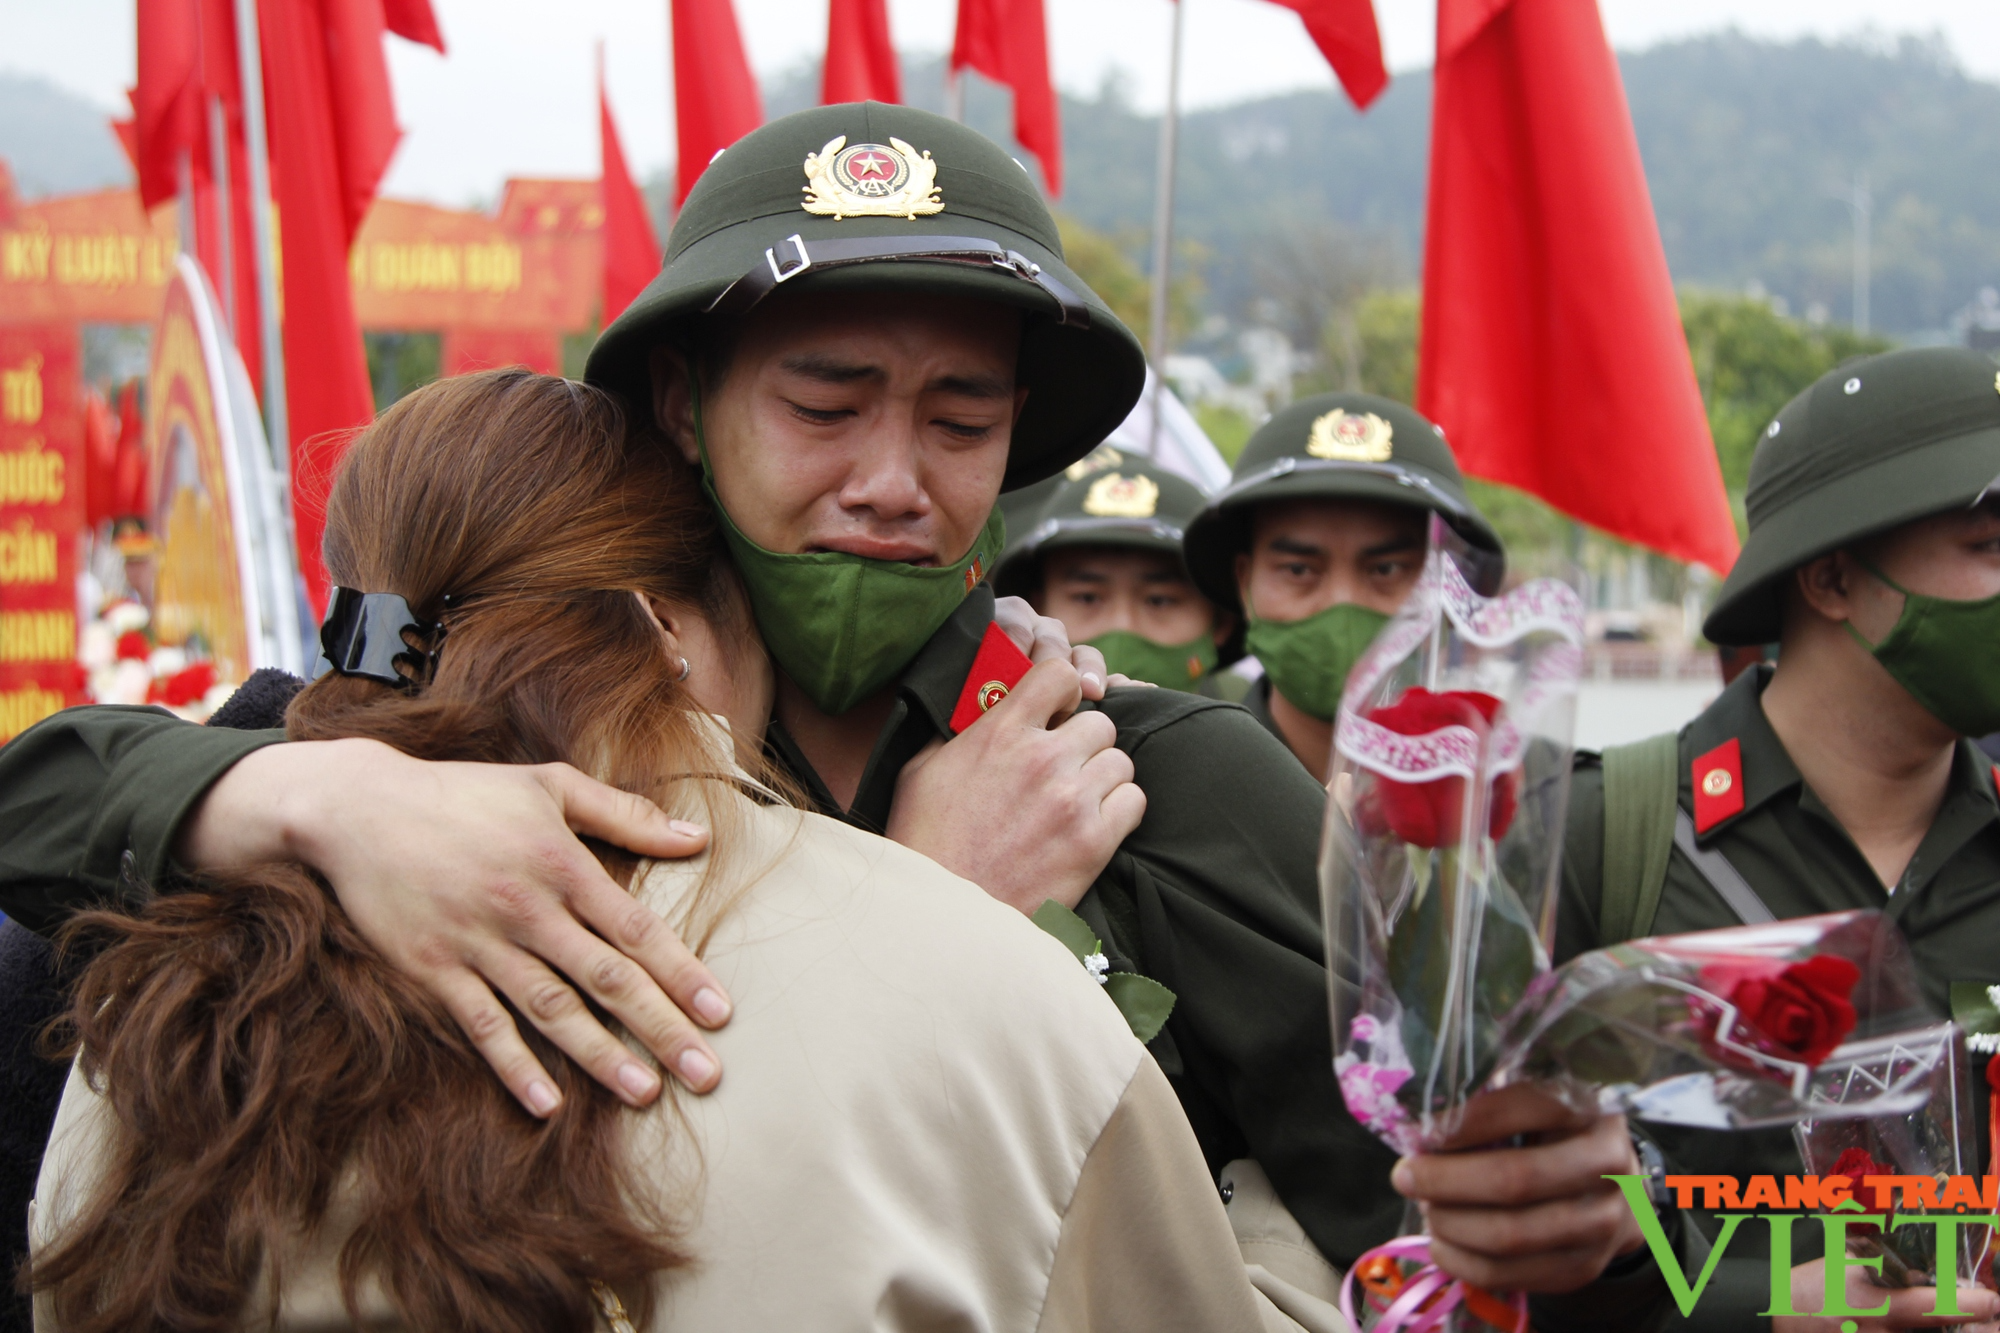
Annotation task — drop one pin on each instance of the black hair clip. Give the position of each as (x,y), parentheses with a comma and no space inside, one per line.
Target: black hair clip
(363,636)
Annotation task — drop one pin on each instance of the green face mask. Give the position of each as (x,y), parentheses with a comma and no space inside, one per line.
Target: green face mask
(1173,666)
(1308,660)
(1941,651)
(843,626)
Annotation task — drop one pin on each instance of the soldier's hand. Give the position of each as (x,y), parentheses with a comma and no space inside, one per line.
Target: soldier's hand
(1539,1218)
(1046,639)
(1026,810)
(470,879)
(1908,1308)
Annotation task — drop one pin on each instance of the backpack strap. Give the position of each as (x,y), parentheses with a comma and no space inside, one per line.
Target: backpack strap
(1641,798)
(1724,878)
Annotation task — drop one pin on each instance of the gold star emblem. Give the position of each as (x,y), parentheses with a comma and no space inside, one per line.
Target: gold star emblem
(865,180)
(1351,437)
(1115,495)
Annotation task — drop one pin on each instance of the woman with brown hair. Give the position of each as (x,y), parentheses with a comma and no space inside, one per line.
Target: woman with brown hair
(933,1119)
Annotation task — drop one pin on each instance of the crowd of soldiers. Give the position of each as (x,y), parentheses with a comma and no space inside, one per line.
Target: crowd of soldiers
(1181,822)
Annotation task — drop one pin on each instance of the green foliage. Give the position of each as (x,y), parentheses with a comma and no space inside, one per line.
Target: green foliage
(575,351)
(1104,261)
(400,362)
(1228,429)
(1750,361)
(1535,535)
(1386,327)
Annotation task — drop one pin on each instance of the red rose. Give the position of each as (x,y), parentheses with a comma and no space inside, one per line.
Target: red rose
(1799,1012)
(188,685)
(1427,814)
(1856,1165)
(132,646)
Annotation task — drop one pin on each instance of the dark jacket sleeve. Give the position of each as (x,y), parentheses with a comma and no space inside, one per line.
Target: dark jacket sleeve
(1223,877)
(90,802)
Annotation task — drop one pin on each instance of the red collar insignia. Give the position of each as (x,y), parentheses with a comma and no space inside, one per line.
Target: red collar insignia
(1718,785)
(996,670)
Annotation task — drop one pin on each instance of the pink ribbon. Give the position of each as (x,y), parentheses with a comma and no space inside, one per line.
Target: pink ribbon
(1428,1297)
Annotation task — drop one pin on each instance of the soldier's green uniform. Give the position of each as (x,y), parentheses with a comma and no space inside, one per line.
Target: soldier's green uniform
(1918,432)
(1214,895)
(1131,504)
(1331,446)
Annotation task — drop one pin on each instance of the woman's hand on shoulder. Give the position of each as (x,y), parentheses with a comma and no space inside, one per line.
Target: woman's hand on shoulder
(472,880)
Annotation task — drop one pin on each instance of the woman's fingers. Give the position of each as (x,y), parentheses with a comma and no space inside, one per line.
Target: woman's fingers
(445,867)
(490,1028)
(559,1013)
(621,818)
(622,983)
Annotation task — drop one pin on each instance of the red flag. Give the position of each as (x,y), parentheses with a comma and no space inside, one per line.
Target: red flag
(413,21)
(1345,33)
(1552,350)
(166,100)
(1007,41)
(631,253)
(187,68)
(100,458)
(860,58)
(332,129)
(715,96)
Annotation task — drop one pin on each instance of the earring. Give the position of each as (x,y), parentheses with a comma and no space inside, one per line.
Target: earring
(686,667)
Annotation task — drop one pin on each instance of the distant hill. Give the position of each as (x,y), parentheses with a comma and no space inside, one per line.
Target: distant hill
(1742,140)
(56,142)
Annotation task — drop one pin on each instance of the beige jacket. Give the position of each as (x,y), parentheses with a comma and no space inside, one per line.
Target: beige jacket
(931,1119)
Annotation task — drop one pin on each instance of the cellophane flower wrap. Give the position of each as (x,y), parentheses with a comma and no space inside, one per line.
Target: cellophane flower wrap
(1936,1141)
(1439,869)
(1753,1026)
(1449,781)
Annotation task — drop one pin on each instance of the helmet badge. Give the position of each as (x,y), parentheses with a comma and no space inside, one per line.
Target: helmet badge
(1116,496)
(891,180)
(1350,437)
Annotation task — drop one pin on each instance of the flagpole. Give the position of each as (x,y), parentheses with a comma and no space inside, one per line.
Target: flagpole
(1163,228)
(954,93)
(249,55)
(218,155)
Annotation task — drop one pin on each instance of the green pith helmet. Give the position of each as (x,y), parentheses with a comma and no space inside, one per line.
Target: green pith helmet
(1871,445)
(1350,446)
(868,196)
(1021,505)
(1132,503)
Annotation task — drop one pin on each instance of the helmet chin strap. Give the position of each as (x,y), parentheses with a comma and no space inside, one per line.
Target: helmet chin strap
(743,294)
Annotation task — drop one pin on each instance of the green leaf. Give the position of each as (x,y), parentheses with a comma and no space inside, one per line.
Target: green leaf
(1144,1002)
(1074,932)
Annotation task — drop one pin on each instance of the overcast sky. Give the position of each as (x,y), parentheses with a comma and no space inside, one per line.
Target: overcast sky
(514,96)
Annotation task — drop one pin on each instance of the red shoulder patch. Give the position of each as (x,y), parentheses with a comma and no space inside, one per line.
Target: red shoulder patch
(996,669)
(1718,785)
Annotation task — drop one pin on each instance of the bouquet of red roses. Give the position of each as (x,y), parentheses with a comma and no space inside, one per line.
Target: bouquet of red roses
(1438,879)
(1450,778)
(1735,1029)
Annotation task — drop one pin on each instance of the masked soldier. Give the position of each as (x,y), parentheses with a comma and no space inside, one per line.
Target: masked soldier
(1839,778)
(1315,542)
(1103,555)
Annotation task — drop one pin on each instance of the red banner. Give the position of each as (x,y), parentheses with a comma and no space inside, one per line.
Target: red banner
(41,515)
(98,258)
